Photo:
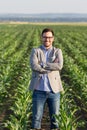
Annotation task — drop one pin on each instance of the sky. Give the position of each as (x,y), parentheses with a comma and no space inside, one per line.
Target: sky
(43,6)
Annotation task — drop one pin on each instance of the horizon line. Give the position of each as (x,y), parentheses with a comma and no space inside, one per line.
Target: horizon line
(46,13)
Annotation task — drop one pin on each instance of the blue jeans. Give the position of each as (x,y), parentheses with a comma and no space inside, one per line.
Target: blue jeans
(39,99)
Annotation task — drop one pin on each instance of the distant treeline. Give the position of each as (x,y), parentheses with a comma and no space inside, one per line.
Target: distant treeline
(44,17)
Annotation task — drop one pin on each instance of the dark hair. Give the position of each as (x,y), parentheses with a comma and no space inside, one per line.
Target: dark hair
(48,30)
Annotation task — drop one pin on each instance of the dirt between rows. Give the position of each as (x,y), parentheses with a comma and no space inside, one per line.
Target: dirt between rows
(45,125)
(46,119)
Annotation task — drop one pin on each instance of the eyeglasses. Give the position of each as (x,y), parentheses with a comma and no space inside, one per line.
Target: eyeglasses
(47,37)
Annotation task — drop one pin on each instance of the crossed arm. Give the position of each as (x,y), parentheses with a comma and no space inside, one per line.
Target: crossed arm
(42,67)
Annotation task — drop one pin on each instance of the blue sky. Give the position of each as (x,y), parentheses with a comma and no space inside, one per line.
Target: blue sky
(43,6)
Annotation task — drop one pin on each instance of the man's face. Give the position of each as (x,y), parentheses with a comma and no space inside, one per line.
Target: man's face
(47,39)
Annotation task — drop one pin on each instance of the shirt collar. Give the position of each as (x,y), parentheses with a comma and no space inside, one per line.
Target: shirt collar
(44,48)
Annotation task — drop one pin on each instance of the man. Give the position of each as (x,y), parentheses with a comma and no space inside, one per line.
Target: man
(46,62)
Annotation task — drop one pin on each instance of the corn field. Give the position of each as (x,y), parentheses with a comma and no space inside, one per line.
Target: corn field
(16,42)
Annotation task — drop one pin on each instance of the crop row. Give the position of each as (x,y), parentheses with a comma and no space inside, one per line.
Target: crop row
(15,48)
